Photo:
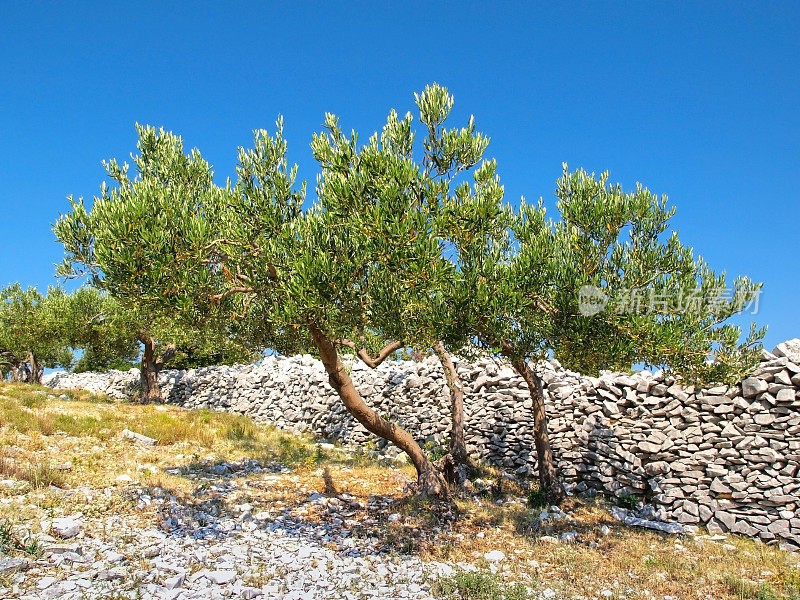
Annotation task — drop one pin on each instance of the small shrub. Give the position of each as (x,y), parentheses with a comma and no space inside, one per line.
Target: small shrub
(628,501)
(9,542)
(477,585)
(537,499)
(294,451)
(435,451)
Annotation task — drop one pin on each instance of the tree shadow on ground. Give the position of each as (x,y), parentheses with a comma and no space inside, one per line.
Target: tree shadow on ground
(249,496)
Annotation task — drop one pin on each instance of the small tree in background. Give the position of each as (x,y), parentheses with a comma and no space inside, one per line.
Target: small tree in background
(198,354)
(135,237)
(523,278)
(33,332)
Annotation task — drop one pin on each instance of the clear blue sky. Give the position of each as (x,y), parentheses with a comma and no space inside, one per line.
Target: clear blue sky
(697,100)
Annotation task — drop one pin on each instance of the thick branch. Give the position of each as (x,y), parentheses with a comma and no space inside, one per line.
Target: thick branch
(165,357)
(429,479)
(362,353)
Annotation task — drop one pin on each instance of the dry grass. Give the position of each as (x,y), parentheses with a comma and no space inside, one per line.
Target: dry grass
(74,444)
(39,414)
(627,563)
(35,471)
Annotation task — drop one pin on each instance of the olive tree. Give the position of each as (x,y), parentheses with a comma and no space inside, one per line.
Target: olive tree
(34,332)
(367,257)
(446,155)
(133,238)
(535,288)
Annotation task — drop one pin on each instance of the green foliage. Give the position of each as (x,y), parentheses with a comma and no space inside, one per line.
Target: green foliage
(9,542)
(132,244)
(478,585)
(537,498)
(131,240)
(102,330)
(435,450)
(366,262)
(34,330)
(212,350)
(407,242)
(629,501)
(521,276)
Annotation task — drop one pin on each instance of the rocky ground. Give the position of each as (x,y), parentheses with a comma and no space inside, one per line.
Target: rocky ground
(102,499)
(167,548)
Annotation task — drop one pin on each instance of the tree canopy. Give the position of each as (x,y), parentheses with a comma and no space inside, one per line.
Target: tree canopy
(523,280)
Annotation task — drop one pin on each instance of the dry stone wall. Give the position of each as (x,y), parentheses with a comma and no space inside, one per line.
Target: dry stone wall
(723,457)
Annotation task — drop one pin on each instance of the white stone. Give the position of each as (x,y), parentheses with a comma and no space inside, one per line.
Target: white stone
(222,577)
(174,582)
(495,556)
(45,582)
(789,349)
(67,527)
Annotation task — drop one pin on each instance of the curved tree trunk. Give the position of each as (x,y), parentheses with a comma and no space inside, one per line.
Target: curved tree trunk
(150,392)
(429,480)
(548,475)
(462,465)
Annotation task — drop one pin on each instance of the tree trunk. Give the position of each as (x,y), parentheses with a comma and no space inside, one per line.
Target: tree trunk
(150,391)
(548,475)
(37,370)
(20,372)
(429,481)
(458,444)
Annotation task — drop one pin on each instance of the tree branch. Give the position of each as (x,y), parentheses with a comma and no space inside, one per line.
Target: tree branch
(362,353)
(230,292)
(165,357)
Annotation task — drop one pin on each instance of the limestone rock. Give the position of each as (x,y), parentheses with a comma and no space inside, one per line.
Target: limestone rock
(140,439)
(753,386)
(789,349)
(67,527)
